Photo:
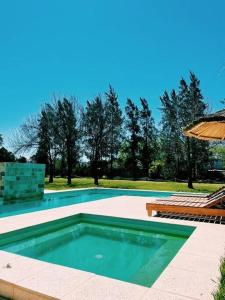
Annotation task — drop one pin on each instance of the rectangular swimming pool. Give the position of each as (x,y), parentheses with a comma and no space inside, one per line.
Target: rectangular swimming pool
(54,200)
(134,251)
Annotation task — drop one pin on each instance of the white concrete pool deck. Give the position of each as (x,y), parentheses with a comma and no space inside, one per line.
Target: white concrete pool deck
(192,274)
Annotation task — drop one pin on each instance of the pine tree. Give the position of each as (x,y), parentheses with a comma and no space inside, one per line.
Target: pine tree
(177,136)
(47,136)
(6,156)
(68,132)
(133,128)
(114,120)
(1,140)
(95,134)
(148,137)
(192,106)
(171,143)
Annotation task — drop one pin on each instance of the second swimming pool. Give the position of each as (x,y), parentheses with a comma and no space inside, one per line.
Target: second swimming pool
(134,251)
(54,200)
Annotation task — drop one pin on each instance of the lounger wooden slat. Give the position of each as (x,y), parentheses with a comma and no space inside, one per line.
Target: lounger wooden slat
(219,192)
(181,203)
(191,199)
(179,199)
(184,209)
(190,195)
(201,201)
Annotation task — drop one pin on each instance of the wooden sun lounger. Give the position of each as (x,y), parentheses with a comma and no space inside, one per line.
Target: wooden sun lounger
(183,204)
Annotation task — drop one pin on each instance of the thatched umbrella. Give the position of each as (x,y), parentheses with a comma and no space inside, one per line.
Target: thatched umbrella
(208,128)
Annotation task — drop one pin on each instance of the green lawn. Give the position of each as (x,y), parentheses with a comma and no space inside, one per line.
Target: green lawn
(60,184)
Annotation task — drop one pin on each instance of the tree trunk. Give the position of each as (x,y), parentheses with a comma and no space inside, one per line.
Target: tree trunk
(146,169)
(69,177)
(134,171)
(95,172)
(96,179)
(51,173)
(96,175)
(134,163)
(111,166)
(69,167)
(190,179)
(62,166)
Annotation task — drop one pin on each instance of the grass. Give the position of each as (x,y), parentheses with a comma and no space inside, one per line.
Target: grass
(220,294)
(61,184)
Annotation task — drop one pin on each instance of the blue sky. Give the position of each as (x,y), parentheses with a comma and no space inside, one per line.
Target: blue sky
(78,47)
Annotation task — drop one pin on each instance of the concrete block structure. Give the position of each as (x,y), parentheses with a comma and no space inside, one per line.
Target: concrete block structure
(21,180)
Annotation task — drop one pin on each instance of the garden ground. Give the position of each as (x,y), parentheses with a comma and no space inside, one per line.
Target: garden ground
(61,184)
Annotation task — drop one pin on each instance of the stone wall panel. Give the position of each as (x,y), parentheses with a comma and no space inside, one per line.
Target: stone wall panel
(21,180)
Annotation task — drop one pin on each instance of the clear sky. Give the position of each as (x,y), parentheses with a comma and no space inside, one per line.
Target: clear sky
(78,47)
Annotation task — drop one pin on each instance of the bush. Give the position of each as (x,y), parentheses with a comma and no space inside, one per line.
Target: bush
(155,170)
(220,294)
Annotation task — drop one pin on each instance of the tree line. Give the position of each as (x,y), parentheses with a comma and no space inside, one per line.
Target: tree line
(101,139)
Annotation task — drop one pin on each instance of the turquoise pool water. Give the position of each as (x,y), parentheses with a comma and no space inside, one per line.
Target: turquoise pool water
(54,200)
(134,251)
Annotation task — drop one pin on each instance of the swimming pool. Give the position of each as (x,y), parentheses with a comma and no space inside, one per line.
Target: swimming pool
(134,251)
(54,200)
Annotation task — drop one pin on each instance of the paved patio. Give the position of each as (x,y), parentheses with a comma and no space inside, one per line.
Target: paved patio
(192,274)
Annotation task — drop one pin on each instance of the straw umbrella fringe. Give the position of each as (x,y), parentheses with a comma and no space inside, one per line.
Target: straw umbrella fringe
(208,128)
